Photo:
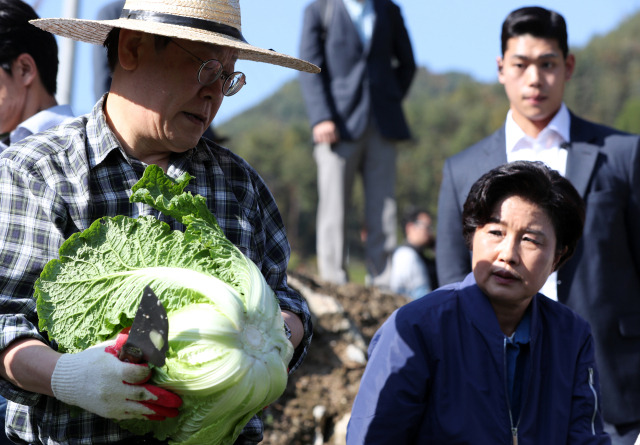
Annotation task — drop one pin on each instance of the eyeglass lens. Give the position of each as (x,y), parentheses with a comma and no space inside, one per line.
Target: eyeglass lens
(233,83)
(211,70)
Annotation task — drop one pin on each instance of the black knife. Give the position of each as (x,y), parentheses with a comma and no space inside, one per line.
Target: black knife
(149,335)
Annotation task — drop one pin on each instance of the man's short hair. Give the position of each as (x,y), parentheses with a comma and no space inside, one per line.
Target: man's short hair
(539,22)
(533,182)
(18,36)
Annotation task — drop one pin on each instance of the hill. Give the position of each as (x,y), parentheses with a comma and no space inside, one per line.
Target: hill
(446,112)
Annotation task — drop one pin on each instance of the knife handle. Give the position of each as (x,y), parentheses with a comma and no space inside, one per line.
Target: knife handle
(130,354)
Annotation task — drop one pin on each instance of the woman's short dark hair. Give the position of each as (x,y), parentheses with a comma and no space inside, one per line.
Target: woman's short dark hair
(533,182)
(18,36)
(537,21)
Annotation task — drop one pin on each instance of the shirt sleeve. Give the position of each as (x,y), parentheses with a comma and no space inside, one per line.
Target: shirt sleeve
(315,87)
(393,391)
(586,425)
(274,268)
(29,239)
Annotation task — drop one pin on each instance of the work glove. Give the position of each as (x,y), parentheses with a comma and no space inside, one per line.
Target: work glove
(97,381)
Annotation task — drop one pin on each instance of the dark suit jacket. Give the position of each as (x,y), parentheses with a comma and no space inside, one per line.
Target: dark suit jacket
(357,80)
(602,280)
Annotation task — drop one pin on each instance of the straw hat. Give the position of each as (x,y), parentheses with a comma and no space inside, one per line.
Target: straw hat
(208,21)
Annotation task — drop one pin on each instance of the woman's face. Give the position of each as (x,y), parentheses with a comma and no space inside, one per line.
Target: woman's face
(514,253)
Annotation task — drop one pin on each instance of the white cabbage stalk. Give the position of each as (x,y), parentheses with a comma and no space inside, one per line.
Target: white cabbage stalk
(228,354)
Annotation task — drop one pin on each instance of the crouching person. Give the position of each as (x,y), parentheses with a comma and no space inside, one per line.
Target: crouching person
(491,360)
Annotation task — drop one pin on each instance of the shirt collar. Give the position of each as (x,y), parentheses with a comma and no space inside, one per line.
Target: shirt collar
(480,312)
(522,334)
(41,121)
(363,17)
(4,141)
(355,5)
(100,137)
(103,140)
(560,125)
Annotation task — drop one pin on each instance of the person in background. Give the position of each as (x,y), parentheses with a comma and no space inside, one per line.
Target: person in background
(172,64)
(602,281)
(412,272)
(355,111)
(490,360)
(28,72)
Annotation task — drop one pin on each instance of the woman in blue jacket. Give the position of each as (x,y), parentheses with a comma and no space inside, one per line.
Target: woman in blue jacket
(490,360)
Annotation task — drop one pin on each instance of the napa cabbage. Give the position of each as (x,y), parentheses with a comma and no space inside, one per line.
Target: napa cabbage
(228,353)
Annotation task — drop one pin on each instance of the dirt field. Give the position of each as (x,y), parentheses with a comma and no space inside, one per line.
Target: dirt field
(328,379)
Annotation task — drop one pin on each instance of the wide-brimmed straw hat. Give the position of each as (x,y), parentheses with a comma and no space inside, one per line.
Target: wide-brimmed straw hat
(208,21)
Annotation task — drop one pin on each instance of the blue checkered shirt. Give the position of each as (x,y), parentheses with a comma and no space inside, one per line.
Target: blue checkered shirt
(58,182)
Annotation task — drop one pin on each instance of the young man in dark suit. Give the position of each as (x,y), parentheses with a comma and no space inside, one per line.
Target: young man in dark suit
(355,110)
(602,281)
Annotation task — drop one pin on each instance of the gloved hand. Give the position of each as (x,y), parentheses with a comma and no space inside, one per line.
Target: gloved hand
(97,381)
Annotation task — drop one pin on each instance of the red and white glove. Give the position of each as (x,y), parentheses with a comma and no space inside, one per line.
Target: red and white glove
(97,381)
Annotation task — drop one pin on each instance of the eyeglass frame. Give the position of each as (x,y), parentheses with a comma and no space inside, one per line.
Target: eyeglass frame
(221,73)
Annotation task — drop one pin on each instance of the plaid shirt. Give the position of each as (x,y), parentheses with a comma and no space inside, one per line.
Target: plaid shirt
(59,182)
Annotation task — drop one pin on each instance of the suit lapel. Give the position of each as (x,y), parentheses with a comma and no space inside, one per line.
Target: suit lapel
(582,155)
(495,158)
(580,162)
(377,8)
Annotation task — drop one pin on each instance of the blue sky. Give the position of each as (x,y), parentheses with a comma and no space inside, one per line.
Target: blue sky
(460,35)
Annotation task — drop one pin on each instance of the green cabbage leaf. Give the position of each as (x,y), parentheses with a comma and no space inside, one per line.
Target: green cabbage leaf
(228,353)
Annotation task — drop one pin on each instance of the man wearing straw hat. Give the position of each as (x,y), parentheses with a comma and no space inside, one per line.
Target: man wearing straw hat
(173,62)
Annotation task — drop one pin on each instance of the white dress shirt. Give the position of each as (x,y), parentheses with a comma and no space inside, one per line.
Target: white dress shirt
(549,148)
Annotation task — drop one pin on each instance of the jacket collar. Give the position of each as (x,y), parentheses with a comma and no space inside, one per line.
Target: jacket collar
(478,310)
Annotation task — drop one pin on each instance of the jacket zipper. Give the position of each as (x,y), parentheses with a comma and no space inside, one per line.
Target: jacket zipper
(514,429)
(595,398)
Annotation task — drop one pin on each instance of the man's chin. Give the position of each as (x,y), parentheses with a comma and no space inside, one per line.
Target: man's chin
(184,146)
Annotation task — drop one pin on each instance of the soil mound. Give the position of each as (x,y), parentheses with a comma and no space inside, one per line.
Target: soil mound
(315,408)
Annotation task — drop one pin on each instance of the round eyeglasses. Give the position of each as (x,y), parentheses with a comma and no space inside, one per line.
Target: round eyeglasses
(212,70)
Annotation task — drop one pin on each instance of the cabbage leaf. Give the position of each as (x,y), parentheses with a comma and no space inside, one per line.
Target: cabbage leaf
(228,353)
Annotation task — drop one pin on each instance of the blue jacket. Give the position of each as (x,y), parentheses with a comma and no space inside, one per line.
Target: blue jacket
(601,282)
(436,375)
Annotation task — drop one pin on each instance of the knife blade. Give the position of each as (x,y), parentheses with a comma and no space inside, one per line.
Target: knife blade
(149,335)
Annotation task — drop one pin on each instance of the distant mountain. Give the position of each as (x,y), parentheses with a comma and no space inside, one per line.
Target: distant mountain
(446,112)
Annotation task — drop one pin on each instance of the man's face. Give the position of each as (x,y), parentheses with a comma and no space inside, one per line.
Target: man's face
(534,72)
(12,101)
(175,109)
